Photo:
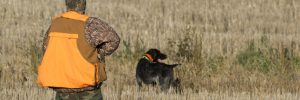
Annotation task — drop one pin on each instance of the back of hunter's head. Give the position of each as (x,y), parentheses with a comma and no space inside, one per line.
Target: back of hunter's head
(76,5)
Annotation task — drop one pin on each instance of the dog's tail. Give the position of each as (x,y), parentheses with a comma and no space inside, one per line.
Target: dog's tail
(173,65)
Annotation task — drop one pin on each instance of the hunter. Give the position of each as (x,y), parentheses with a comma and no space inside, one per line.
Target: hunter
(74,48)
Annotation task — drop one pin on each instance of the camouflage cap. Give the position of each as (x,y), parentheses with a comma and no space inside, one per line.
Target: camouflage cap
(76,5)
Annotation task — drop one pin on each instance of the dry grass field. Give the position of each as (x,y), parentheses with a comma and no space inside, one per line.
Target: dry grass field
(229,49)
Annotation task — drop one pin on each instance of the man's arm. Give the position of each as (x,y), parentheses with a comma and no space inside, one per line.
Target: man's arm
(100,35)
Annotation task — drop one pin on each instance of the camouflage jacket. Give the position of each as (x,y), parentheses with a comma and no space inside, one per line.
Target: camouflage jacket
(97,33)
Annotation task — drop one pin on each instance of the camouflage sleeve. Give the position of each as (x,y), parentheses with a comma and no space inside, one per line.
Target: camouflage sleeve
(45,41)
(100,35)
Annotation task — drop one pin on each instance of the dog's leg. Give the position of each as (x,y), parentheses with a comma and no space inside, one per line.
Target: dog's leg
(177,85)
(139,82)
(164,83)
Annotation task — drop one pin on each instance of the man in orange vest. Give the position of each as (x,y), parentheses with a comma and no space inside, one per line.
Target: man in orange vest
(74,49)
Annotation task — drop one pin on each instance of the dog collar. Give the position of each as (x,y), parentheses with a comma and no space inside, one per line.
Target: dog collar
(148,57)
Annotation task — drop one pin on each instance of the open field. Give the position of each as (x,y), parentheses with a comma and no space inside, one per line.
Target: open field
(229,49)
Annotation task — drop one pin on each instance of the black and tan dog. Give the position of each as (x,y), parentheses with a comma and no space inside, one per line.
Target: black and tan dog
(150,70)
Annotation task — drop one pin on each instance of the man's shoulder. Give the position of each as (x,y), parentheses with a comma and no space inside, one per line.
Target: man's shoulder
(94,22)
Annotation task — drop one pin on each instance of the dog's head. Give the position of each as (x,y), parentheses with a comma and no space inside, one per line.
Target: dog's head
(155,55)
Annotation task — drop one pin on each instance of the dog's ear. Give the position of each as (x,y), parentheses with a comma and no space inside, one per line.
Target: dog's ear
(154,53)
(151,52)
(162,56)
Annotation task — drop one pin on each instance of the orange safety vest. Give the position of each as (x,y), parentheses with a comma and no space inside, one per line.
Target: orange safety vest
(69,60)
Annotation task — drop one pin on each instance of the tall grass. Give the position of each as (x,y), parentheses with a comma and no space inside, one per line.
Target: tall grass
(229,49)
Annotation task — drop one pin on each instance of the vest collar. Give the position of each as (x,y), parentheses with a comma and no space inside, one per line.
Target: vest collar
(75,15)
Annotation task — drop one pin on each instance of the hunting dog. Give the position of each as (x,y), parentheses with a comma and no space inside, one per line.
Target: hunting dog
(151,70)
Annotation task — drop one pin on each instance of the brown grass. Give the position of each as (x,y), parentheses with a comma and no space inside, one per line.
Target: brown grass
(229,49)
